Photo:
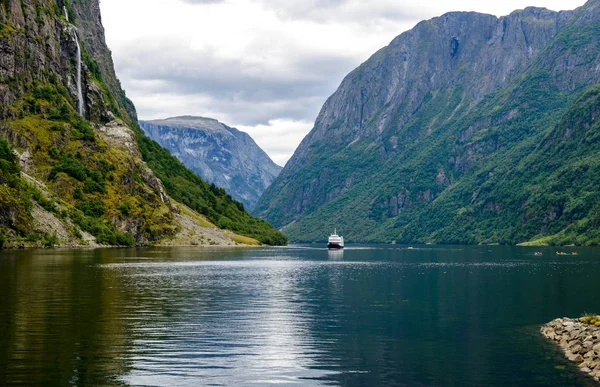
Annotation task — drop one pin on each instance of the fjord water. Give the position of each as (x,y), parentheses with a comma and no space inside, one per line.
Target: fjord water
(366,316)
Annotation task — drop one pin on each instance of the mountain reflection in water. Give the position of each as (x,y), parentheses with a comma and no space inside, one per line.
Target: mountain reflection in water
(365,315)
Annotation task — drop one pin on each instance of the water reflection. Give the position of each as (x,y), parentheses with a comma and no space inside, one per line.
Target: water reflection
(55,318)
(228,322)
(431,315)
(335,254)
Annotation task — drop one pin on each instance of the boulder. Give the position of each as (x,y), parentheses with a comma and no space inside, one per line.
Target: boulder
(579,341)
(575,334)
(576,358)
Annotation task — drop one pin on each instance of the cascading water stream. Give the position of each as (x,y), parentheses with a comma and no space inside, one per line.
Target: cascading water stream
(80,107)
(79,92)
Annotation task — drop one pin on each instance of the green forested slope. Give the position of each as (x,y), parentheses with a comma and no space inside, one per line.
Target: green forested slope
(517,163)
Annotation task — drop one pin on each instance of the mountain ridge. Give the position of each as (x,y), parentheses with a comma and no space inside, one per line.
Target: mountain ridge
(422,116)
(222,155)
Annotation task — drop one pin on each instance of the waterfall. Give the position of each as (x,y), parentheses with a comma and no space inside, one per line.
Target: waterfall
(79,92)
(80,107)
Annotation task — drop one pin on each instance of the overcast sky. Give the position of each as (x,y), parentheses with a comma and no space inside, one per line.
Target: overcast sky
(263,66)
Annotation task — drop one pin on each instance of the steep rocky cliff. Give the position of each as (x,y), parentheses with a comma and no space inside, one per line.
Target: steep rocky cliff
(85,173)
(419,142)
(218,153)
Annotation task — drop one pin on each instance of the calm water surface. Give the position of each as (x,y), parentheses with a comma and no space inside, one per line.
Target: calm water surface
(302,316)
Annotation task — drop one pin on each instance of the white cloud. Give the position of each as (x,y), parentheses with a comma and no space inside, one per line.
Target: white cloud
(278,137)
(264,66)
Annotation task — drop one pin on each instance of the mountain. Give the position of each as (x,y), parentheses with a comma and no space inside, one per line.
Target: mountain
(221,155)
(75,168)
(466,129)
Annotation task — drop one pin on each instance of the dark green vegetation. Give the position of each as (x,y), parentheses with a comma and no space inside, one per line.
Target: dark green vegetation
(209,200)
(478,157)
(76,178)
(14,201)
(16,198)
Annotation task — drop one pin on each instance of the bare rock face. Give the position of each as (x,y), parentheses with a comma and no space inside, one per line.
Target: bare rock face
(89,21)
(222,155)
(119,135)
(579,340)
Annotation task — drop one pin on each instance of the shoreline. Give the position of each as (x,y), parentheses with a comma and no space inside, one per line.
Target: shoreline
(579,340)
(17,247)
(22,245)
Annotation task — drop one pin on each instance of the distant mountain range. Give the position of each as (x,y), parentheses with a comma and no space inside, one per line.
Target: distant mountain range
(221,155)
(466,129)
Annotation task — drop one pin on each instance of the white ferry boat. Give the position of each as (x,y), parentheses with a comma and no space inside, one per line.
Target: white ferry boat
(335,241)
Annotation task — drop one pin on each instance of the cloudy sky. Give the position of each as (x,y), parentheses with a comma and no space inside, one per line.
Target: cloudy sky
(263,66)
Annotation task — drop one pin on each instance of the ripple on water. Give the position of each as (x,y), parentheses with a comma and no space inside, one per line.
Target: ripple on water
(373,316)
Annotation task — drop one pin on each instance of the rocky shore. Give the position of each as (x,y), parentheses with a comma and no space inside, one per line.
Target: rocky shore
(579,339)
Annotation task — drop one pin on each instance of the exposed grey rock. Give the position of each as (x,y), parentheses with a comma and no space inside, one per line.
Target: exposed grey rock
(222,155)
(576,358)
(581,349)
(575,349)
(91,33)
